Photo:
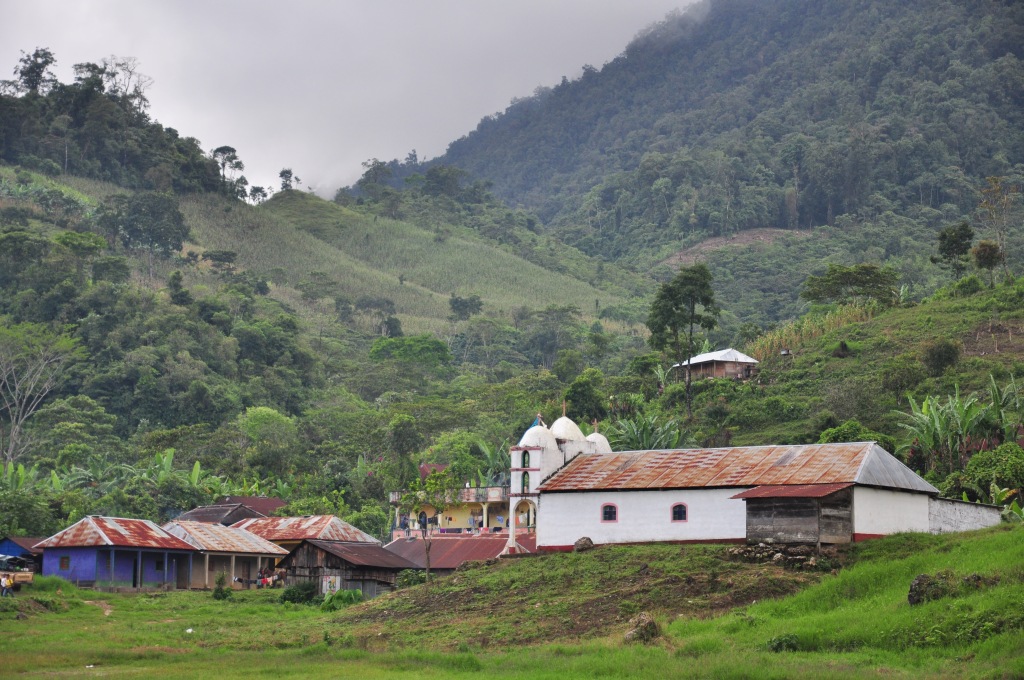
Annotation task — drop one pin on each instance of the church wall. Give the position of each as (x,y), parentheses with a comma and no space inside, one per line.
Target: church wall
(641,516)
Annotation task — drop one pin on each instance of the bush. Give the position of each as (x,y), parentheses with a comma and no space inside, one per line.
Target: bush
(340,599)
(939,355)
(222,591)
(410,577)
(300,593)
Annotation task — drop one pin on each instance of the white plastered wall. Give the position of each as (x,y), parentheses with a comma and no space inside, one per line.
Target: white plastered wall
(643,516)
(880,511)
(946,515)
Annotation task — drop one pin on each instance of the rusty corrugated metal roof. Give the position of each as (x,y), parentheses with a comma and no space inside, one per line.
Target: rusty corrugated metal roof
(228,513)
(323,527)
(794,491)
(26,543)
(213,537)
(95,531)
(265,505)
(858,463)
(448,553)
(364,554)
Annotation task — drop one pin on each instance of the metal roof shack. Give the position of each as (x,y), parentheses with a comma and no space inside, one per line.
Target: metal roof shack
(863,463)
(226,514)
(363,554)
(285,530)
(221,539)
(20,546)
(97,531)
(265,505)
(446,554)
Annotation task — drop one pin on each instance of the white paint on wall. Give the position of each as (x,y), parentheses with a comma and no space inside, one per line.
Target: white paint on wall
(643,516)
(880,511)
(946,515)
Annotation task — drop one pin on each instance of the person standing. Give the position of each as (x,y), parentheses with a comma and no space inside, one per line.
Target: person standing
(6,583)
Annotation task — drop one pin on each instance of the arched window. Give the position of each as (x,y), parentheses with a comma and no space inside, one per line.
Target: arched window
(526,459)
(679,512)
(609,513)
(526,482)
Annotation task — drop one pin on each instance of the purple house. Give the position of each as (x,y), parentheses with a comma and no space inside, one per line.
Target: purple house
(116,553)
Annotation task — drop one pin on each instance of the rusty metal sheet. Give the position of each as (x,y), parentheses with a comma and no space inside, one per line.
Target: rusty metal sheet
(323,527)
(793,491)
(222,514)
(265,505)
(448,553)
(117,531)
(210,537)
(365,554)
(860,462)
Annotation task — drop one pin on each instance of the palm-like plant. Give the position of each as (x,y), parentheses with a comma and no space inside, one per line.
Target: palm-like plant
(496,464)
(645,433)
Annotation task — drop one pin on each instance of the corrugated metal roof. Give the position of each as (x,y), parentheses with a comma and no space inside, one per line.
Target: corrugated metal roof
(26,543)
(265,505)
(233,512)
(448,553)
(795,491)
(721,355)
(364,554)
(859,463)
(323,527)
(114,531)
(213,537)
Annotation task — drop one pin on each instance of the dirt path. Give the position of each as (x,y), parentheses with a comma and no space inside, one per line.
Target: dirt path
(743,238)
(107,609)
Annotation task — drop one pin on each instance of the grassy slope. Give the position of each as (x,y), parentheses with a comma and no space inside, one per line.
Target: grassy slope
(518,619)
(302,233)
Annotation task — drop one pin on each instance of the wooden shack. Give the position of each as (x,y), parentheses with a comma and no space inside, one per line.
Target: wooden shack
(725,363)
(341,565)
(805,513)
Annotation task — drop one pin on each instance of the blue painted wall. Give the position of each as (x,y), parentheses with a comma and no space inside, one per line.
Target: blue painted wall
(92,566)
(9,547)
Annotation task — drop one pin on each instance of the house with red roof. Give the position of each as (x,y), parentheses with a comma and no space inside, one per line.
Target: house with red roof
(117,553)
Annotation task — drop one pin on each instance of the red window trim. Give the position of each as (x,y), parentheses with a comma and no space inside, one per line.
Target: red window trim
(672,513)
(609,521)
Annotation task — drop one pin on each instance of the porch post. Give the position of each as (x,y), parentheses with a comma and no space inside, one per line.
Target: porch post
(189,587)
(206,571)
(232,571)
(138,582)
(167,568)
(485,524)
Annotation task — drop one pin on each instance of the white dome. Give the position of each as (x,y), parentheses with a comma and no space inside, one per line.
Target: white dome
(601,444)
(564,428)
(540,436)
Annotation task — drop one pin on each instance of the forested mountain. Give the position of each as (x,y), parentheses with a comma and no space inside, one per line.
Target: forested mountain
(188,335)
(877,120)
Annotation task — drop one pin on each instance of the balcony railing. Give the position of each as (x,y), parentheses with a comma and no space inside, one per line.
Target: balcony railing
(484,494)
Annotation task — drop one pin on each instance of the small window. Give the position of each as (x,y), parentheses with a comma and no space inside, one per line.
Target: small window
(679,512)
(159,565)
(65,562)
(526,459)
(526,482)
(609,513)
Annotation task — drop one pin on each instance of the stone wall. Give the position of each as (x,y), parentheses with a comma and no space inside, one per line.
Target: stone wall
(946,515)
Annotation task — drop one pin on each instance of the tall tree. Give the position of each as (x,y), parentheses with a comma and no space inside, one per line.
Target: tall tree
(954,245)
(32,362)
(680,306)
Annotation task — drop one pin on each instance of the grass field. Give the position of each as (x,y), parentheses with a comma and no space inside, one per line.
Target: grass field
(563,616)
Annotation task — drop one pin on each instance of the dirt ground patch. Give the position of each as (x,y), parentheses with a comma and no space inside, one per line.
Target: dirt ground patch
(995,338)
(743,238)
(107,609)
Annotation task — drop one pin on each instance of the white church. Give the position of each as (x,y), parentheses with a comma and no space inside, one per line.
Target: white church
(575,486)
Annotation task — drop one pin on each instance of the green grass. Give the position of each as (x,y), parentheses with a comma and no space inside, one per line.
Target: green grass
(515,620)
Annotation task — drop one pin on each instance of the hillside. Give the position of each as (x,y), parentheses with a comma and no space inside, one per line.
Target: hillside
(563,615)
(870,125)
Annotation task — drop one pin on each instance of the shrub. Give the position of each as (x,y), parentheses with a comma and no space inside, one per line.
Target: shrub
(222,591)
(939,355)
(410,577)
(300,593)
(340,599)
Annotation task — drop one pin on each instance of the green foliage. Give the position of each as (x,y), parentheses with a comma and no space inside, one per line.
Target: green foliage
(859,283)
(410,577)
(222,591)
(853,431)
(339,599)
(303,592)
(646,433)
(585,399)
(940,354)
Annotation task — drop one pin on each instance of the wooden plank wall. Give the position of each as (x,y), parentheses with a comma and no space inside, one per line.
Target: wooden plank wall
(796,520)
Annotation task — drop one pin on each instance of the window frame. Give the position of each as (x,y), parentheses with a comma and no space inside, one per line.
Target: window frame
(686,513)
(65,563)
(615,512)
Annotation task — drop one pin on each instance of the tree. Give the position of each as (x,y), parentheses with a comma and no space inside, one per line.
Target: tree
(440,490)
(227,159)
(954,245)
(33,71)
(988,255)
(848,284)
(685,302)
(373,183)
(463,308)
(288,179)
(149,220)
(32,363)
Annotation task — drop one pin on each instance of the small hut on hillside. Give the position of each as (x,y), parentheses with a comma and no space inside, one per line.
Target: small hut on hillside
(340,565)
(725,363)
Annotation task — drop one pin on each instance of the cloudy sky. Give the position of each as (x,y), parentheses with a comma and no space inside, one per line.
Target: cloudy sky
(321,86)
